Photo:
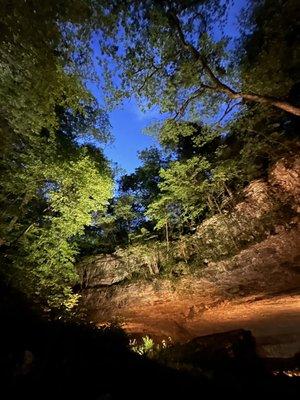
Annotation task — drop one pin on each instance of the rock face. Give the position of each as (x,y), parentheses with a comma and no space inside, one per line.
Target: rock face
(102,270)
(285,177)
(106,270)
(257,288)
(219,297)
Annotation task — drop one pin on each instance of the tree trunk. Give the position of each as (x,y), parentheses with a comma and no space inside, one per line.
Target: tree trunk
(167,238)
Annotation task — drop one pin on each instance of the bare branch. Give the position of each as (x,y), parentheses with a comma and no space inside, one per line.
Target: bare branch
(147,78)
(199,15)
(184,106)
(229,108)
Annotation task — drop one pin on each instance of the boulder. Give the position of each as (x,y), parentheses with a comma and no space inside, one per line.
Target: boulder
(223,355)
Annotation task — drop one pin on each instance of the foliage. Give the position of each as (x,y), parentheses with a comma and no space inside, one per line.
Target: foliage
(47,244)
(152,63)
(177,56)
(124,221)
(148,347)
(144,259)
(143,184)
(181,189)
(144,348)
(50,184)
(270,38)
(38,71)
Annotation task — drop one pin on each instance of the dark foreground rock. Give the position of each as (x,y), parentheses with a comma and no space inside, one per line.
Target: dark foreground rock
(228,358)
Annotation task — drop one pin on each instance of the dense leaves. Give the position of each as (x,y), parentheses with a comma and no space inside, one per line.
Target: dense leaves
(50,185)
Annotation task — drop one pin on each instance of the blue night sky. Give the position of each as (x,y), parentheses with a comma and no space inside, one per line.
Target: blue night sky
(128,121)
(127,124)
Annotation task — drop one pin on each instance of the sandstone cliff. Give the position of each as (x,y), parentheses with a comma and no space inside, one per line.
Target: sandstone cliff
(239,269)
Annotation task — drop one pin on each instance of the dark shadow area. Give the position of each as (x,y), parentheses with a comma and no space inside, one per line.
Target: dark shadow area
(42,358)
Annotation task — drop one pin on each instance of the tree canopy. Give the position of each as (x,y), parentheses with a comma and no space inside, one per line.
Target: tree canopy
(229,108)
(176,55)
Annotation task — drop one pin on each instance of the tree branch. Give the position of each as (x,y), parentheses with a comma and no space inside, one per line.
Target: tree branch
(139,89)
(229,108)
(197,93)
(221,87)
